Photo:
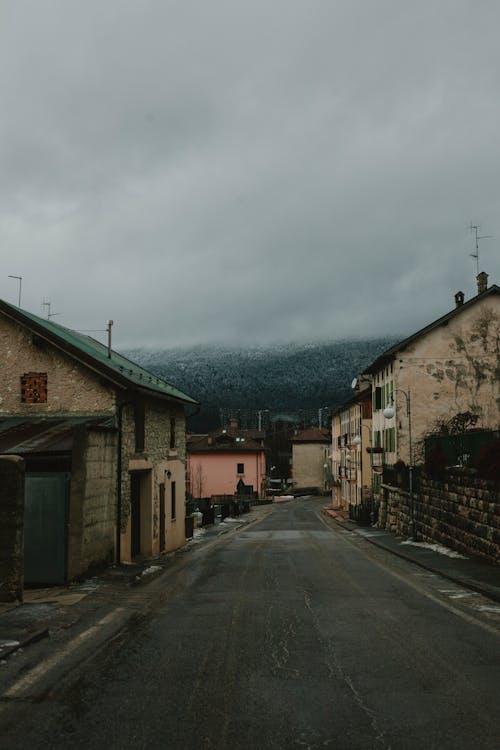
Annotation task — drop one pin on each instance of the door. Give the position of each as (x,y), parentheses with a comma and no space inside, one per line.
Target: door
(45,527)
(162,517)
(135,514)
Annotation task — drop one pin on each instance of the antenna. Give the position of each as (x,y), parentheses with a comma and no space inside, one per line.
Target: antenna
(46,303)
(474,229)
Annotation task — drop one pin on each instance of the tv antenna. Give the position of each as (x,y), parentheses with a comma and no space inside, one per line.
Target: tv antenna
(474,229)
(46,303)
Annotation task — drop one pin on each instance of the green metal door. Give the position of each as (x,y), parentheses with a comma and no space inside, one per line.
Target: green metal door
(45,527)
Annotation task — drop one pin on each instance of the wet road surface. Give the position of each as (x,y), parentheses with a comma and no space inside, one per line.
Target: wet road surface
(288,634)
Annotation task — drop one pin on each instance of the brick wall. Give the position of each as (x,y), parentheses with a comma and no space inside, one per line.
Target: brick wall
(11,528)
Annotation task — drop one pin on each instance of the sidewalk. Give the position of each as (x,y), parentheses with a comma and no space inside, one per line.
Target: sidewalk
(46,611)
(470,573)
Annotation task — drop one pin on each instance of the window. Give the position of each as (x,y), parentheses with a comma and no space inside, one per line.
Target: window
(172,506)
(377,398)
(172,433)
(34,388)
(139,417)
(240,468)
(389,440)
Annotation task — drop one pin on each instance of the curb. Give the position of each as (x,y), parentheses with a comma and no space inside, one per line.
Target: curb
(483,589)
(12,646)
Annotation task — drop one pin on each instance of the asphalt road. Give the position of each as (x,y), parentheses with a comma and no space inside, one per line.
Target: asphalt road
(290,633)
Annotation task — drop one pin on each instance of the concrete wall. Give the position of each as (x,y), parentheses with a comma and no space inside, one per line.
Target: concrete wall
(461,512)
(72,387)
(217,473)
(308,461)
(93,511)
(11,528)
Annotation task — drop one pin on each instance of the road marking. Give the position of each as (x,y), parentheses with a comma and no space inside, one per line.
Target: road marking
(31,678)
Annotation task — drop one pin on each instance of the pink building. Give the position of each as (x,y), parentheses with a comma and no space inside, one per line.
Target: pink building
(221,462)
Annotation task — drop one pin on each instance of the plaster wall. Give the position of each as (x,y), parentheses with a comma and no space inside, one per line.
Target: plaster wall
(452,369)
(72,388)
(216,474)
(308,461)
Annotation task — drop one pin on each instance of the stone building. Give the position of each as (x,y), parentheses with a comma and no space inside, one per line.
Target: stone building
(103,442)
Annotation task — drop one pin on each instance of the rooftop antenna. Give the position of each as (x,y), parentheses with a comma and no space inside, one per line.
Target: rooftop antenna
(474,229)
(46,303)
(20,279)
(109,326)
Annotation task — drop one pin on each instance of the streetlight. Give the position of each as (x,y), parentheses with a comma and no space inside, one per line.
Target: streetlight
(20,279)
(388,413)
(357,440)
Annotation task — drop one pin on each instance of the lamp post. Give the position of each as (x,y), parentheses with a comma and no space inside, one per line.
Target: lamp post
(389,414)
(20,279)
(358,440)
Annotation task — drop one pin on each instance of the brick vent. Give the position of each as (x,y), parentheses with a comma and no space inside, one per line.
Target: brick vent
(34,388)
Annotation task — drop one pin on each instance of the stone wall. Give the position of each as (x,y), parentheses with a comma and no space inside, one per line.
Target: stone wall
(461,512)
(154,461)
(11,528)
(71,387)
(93,512)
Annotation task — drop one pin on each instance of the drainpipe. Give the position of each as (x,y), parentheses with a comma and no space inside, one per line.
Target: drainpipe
(119,485)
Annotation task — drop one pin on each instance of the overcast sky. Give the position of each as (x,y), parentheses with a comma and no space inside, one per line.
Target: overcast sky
(246,172)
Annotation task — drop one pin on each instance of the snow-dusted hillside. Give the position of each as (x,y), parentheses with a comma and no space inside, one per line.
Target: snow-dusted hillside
(284,379)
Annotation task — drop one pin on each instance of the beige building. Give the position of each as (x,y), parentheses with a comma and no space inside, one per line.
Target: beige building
(103,442)
(311,459)
(450,367)
(352,459)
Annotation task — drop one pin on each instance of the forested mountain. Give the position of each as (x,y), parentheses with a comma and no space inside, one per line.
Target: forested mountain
(288,379)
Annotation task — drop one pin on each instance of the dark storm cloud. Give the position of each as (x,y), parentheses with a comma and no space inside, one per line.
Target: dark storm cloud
(245,172)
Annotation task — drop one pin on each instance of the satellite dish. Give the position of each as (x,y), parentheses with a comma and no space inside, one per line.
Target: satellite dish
(354,383)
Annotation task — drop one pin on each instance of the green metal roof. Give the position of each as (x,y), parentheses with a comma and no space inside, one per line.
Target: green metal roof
(117,368)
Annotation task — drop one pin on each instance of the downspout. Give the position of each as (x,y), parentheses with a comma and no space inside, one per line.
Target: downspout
(119,485)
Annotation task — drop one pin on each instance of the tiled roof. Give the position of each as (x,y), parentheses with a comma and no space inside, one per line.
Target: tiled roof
(312,435)
(228,441)
(116,368)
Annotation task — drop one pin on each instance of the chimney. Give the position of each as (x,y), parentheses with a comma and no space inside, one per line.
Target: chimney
(459,299)
(482,282)
(233,423)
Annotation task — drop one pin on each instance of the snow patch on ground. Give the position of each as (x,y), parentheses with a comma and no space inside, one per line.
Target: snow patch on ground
(435,548)
(151,569)
(231,520)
